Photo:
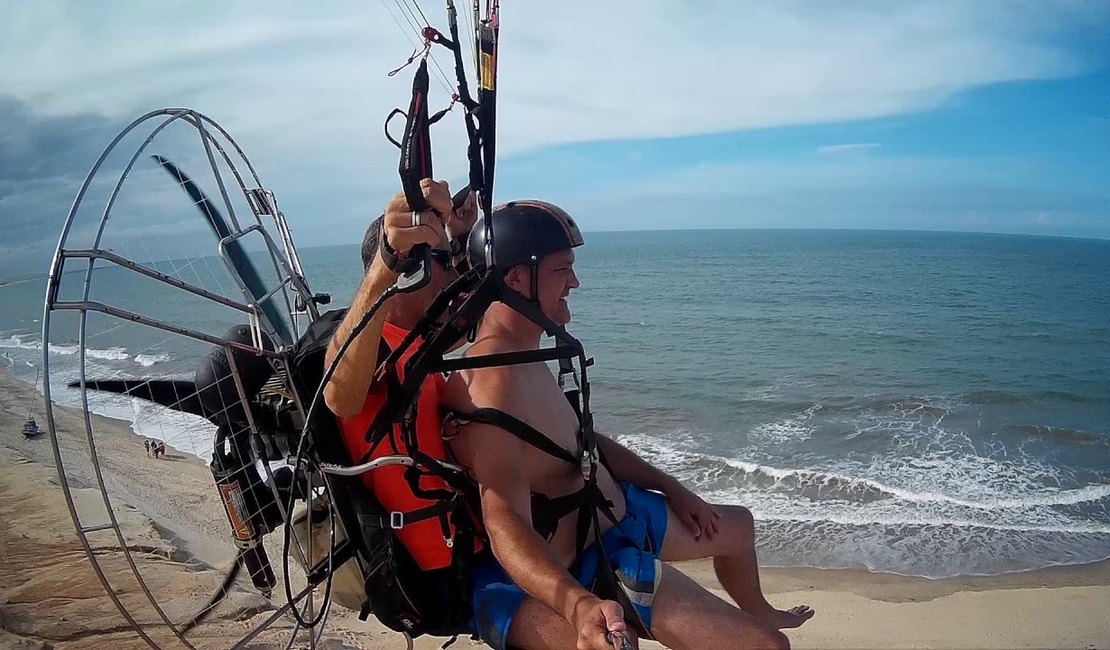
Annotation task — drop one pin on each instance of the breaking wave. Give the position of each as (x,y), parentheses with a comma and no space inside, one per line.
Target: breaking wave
(919,518)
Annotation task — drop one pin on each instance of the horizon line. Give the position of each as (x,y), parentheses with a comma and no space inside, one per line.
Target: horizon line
(822,229)
(19,279)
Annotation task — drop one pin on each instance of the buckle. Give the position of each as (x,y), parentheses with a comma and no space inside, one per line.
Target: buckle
(589,463)
(396,520)
(574,379)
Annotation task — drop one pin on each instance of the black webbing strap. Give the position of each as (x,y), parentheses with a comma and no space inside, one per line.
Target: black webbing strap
(547,511)
(416,144)
(415,166)
(431,466)
(566,369)
(522,430)
(462,557)
(473,136)
(381,426)
(505,359)
(606,583)
(400,519)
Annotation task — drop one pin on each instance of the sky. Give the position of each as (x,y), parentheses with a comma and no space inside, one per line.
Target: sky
(970,116)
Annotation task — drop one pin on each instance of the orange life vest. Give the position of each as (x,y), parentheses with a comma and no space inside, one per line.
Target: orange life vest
(423,539)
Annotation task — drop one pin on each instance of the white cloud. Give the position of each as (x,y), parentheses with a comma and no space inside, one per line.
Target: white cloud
(569,71)
(302,86)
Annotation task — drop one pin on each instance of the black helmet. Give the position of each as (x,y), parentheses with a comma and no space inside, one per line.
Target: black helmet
(524,232)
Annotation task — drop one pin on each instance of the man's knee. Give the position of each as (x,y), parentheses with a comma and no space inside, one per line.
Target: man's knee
(740,523)
(765,637)
(774,640)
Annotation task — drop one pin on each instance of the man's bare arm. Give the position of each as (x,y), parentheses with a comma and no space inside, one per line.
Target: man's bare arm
(346,392)
(495,458)
(497,461)
(697,515)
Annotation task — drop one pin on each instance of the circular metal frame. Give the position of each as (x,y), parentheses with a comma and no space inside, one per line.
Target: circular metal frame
(297,300)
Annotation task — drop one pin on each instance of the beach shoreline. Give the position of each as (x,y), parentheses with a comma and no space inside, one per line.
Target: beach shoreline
(50,597)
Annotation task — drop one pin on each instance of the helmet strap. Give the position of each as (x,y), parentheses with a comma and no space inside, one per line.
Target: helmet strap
(535,265)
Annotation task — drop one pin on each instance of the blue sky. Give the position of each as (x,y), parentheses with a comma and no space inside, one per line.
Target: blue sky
(1027,157)
(985,116)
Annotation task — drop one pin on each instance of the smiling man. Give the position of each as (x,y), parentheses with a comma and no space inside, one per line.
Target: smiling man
(530,493)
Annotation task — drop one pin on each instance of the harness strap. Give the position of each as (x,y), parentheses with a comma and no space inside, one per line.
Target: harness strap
(416,143)
(500,359)
(572,392)
(522,430)
(430,466)
(393,383)
(398,519)
(547,511)
(589,501)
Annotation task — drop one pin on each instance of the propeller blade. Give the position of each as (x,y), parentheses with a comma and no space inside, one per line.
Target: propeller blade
(234,248)
(174,394)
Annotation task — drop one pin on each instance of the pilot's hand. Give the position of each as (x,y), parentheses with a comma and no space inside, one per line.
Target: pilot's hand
(462,219)
(399,229)
(698,516)
(601,626)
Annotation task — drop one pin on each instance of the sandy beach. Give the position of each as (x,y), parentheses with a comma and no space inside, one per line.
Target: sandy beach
(51,597)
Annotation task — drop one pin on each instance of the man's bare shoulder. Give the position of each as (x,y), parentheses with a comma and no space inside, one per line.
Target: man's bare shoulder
(469,390)
(476,388)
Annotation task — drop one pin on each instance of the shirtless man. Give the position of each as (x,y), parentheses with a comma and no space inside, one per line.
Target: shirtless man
(548,606)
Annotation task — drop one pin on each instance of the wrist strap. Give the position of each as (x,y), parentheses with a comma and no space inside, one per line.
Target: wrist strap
(393,260)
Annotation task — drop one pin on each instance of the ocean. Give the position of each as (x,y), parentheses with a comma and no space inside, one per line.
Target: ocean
(931,404)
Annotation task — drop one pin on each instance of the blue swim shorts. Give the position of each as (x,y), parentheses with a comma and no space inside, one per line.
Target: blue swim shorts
(632,546)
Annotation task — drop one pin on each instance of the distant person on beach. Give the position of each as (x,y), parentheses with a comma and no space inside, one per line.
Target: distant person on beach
(531,582)
(556,606)
(146,443)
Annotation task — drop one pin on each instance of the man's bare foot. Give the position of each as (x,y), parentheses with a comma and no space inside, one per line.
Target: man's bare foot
(792,617)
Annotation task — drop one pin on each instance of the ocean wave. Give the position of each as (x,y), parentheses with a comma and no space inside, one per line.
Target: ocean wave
(17,342)
(110,354)
(151,359)
(937,406)
(792,429)
(895,521)
(850,405)
(1002,397)
(1061,434)
(908,406)
(817,484)
(31,342)
(933,551)
(833,485)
